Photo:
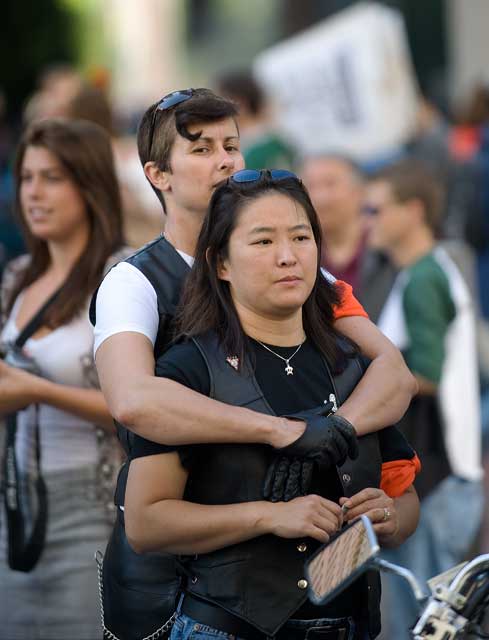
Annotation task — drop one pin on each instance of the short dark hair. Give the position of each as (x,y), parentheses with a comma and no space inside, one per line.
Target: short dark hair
(206,302)
(412,179)
(155,142)
(91,103)
(241,85)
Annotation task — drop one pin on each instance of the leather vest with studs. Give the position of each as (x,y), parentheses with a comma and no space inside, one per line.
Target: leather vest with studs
(262,580)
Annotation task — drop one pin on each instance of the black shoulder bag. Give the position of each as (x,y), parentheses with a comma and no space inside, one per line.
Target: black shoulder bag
(24,554)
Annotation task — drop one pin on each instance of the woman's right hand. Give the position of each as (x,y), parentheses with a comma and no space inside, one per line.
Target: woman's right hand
(17,388)
(308,516)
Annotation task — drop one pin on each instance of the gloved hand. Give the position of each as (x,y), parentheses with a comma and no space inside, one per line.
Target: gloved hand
(327,441)
(288,478)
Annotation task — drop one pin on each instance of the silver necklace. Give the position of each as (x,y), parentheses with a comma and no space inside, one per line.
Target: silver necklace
(289,370)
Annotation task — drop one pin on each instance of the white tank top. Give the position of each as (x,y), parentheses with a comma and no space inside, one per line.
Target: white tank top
(64,356)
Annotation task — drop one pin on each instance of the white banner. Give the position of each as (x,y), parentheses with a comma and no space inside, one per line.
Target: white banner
(344,85)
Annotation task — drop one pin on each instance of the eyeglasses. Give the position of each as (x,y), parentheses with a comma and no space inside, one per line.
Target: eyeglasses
(254,175)
(167,102)
(370,210)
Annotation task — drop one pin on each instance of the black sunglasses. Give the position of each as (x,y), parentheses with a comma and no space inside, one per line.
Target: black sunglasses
(167,102)
(254,175)
(370,210)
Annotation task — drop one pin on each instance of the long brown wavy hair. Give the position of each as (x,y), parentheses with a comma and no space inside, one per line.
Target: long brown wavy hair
(206,302)
(84,150)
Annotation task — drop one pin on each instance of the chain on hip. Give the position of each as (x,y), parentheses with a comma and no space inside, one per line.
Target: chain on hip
(108,635)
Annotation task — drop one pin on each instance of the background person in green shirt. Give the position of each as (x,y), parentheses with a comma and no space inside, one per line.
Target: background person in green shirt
(262,147)
(430,317)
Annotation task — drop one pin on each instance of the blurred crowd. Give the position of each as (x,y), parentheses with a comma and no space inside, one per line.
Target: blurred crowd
(410,235)
(455,149)
(64,92)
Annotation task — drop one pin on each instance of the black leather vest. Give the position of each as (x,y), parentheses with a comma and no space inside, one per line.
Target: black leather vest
(259,580)
(140,591)
(166,270)
(129,578)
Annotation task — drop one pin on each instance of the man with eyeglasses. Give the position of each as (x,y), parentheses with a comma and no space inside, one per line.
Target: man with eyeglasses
(430,316)
(188,143)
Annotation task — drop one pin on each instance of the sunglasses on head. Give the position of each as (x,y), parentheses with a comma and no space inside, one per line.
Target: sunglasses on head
(254,175)
(167,102)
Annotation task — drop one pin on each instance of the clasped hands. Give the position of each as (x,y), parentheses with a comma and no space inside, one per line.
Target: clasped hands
(326,442)
(316,517)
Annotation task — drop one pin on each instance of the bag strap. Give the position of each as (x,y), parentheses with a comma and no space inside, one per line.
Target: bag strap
(24,554)
(37,319)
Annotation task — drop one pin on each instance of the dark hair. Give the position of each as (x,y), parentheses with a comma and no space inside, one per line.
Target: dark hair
(475,112)
(414,180)
(91,103)
(203,106)
(84,150)
(241,86)
(206,302)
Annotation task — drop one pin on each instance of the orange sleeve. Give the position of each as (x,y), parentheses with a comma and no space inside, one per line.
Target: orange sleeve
(398,475)
(349,305)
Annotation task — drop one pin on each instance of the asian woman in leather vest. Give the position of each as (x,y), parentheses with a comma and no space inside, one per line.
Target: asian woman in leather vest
(257,326)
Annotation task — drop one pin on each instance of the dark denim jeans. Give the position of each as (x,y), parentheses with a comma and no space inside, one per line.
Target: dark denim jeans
(322,629)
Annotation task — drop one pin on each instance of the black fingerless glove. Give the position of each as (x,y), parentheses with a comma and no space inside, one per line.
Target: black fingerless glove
(288,478)
(327,441)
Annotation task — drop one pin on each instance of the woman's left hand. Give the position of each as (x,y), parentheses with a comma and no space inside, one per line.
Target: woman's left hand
(17,388)
(379,507)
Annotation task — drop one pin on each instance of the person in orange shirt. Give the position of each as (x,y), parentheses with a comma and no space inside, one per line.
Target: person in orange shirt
(188,143)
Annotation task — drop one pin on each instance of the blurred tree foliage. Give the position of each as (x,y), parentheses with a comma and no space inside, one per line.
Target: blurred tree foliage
(33,35)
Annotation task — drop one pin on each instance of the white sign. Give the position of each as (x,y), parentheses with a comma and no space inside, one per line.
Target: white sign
(345,85)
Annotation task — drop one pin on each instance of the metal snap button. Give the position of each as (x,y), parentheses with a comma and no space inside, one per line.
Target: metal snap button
(302,584)
(302,547)
(346,478)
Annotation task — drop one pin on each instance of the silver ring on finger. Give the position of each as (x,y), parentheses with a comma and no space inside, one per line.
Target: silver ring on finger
(387,514)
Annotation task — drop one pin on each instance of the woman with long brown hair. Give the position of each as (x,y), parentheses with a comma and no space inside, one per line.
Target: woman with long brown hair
(60,452)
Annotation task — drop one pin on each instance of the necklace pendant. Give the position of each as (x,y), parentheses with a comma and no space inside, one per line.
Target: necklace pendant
(289,370)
